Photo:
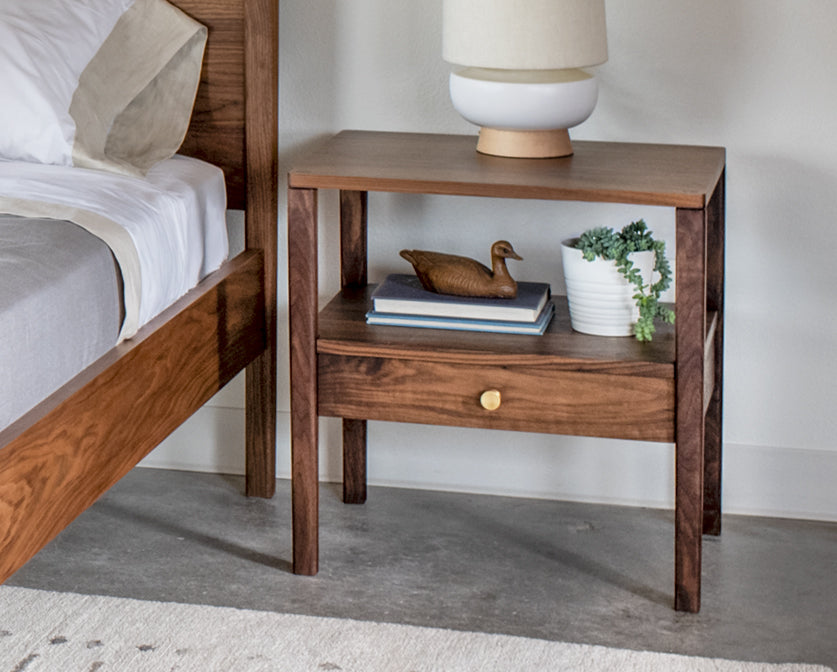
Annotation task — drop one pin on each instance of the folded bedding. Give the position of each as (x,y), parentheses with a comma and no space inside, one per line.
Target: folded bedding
(88,257)
(166,230)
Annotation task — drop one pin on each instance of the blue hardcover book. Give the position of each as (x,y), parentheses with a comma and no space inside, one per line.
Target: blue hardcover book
(402,294)
(536,328)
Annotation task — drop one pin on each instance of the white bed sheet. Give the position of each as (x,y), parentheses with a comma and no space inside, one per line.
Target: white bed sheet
(166,230)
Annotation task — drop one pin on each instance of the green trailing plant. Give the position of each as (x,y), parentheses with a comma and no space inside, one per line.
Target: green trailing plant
(608,244)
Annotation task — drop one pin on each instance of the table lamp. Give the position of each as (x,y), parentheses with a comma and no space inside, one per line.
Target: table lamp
(517,70)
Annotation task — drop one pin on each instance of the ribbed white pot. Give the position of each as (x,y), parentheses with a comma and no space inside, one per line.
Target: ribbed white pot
(601,300)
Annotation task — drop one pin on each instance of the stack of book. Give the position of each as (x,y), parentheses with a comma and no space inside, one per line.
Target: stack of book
(401,301)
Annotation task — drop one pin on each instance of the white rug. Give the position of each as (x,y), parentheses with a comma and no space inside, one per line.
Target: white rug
(64,632)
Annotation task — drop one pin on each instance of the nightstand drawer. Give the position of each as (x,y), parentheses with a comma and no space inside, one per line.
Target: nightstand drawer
(548,397)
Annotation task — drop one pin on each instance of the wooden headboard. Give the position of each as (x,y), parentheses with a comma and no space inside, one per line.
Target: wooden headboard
(234,124)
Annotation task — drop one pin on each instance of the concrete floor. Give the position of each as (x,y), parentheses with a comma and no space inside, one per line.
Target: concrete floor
(555,570)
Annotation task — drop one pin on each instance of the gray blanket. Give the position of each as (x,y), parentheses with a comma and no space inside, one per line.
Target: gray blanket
(60,308)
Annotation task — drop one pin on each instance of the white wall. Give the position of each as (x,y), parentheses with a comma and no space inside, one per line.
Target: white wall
(756,76)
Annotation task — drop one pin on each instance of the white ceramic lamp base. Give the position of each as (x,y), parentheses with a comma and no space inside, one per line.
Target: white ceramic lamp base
(524,114)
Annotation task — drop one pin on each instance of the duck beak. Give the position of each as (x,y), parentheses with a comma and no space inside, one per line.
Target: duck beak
(515,255)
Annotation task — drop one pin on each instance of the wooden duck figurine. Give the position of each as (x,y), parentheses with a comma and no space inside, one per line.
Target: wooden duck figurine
(462,276)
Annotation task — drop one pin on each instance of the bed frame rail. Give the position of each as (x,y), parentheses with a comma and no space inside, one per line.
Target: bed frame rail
(74,446)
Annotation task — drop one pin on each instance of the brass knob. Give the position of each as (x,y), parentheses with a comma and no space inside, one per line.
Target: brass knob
(490,400)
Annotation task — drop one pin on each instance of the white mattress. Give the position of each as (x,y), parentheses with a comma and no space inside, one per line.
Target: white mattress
(60,308)
(166,230)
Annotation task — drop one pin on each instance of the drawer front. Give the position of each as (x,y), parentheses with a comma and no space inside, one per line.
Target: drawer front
(532,398)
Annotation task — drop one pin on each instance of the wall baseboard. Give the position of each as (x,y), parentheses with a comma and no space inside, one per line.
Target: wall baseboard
(757,480)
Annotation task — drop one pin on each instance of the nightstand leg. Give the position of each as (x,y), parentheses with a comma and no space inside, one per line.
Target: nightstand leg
(353,238)
(713,451)
(689,469)
(354,461)
(302,318)
(353,274)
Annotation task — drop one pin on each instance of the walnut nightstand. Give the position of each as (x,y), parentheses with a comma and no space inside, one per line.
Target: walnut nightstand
(668,390)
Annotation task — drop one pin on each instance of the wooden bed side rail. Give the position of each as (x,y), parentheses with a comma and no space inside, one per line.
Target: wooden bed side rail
(64,454)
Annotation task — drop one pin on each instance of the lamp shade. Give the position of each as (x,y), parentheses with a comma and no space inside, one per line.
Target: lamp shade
(524,34)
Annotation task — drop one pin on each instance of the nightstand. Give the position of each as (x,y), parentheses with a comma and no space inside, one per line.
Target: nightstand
(564,382)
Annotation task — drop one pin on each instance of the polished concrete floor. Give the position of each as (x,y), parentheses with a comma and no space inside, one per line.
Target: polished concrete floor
(555,570)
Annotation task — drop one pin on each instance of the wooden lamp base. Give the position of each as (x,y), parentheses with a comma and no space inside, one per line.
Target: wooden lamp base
(525,144)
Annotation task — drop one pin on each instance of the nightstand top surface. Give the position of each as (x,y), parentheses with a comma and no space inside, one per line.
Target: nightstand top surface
(682,176)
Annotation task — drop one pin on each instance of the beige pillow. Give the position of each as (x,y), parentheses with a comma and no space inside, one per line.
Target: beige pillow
(134,100)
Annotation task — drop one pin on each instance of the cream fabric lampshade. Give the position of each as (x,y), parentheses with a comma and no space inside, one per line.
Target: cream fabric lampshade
(524,34)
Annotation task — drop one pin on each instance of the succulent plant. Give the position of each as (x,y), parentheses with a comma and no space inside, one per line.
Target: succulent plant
(605,243)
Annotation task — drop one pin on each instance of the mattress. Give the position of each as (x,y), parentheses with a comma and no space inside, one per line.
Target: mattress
(62,288)
(166,230)
(59,307)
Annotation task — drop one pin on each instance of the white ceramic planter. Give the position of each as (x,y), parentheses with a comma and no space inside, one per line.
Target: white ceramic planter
(601,300)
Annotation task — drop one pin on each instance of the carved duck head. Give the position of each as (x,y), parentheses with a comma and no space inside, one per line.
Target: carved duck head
(502,249)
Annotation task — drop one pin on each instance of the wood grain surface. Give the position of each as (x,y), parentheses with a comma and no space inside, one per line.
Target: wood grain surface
(261,77)
(302,324)
(714,430)
(343,330)
(681,176)
(61,456)
(535,398)
(689,465)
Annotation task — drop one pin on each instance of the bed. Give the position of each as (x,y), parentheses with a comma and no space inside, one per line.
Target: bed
(62,454)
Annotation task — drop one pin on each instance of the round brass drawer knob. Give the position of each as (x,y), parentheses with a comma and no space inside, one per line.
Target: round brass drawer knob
(490,400)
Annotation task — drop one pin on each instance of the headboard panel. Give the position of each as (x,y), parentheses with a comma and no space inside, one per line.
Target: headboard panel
(239,75)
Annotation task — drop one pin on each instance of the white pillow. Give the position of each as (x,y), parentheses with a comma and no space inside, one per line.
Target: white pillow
(134,100)
(44,47)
